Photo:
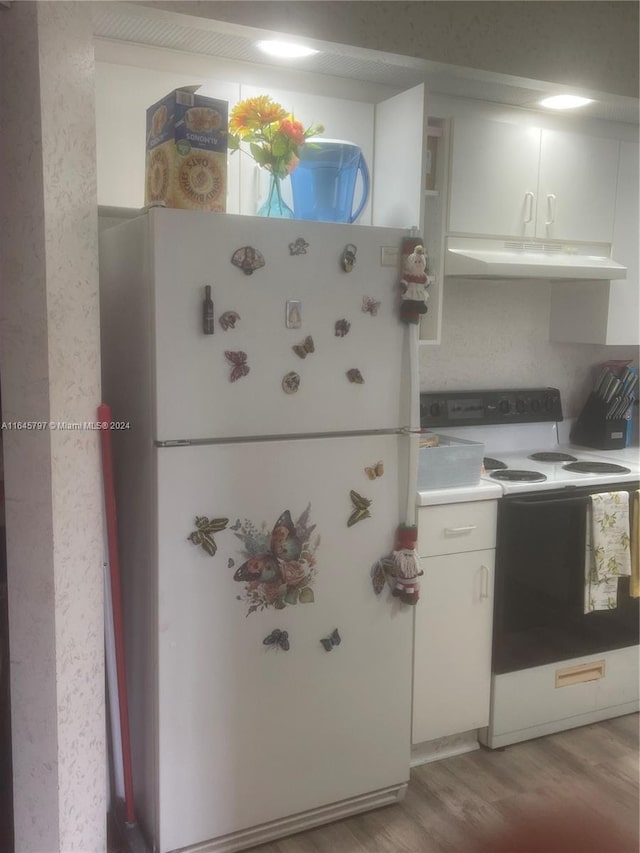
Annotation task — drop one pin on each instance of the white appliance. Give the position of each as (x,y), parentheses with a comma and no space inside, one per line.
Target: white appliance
(242,733)
(553,666)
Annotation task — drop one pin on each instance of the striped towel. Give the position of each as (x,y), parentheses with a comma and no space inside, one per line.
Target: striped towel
(634,583)
(608,555)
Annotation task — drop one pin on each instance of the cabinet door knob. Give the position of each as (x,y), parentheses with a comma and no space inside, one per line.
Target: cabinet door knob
(528,207)
(484,586)
(459,531)
(551,209)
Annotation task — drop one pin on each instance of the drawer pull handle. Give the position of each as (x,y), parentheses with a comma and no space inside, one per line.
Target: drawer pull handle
(459,531)
(581,673)
(484,588)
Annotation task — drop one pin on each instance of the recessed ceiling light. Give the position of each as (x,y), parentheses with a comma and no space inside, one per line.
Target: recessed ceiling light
(565,102)
(285,49)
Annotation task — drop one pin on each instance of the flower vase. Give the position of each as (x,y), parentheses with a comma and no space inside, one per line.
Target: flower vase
(274,206)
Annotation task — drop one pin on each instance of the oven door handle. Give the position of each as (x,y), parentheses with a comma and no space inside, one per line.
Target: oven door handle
(583,500)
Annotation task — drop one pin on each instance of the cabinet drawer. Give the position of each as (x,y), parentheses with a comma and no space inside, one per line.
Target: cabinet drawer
(452,528)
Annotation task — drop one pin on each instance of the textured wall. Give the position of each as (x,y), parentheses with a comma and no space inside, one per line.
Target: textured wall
(49,363)
(495,334)
(592,44)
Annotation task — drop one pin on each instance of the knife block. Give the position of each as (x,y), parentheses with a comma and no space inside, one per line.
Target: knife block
(592,429)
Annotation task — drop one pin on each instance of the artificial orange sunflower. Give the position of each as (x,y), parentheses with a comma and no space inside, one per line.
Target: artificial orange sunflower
(254,113)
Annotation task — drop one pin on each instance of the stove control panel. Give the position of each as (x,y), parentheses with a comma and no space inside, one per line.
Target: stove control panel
(475,408)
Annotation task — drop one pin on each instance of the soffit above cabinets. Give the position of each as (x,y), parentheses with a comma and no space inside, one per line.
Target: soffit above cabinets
(134,24)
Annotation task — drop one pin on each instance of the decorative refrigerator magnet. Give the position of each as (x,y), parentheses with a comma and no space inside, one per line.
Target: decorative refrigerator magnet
(203,534)
(306,347)
(360,508)
(354,375)
(208,326)
(299,247)
(376,470)
(248,259)
(334,639)
(229,319)
(291,382)
(349,257)
(277,638)
(400,569)
(280,566)
(239,361)
(342,328)
(414,280)
(294,314)
(370,306)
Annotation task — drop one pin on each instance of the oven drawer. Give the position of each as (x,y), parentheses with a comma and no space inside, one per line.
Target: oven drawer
(535,702)
(452,528)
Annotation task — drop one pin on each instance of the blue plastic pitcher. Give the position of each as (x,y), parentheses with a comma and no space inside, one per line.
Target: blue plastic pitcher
(323,184)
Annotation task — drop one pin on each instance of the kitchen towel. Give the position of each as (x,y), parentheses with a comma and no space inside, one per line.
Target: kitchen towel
(634,583)
(608,555)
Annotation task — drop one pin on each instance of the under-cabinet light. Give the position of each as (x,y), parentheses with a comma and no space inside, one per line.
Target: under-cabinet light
(565,102)
(285,49)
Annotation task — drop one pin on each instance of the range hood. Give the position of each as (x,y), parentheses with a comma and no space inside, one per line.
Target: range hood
(483,258)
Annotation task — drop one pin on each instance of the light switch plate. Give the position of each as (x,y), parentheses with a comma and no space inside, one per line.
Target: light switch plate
(389,256)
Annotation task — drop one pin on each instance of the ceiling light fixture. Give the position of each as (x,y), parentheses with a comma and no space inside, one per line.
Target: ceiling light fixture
(565,102)
(285,49)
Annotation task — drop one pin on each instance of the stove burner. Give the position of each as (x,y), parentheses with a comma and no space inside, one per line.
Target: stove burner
(553,456)
(492,464)
(596,468)
(520,476)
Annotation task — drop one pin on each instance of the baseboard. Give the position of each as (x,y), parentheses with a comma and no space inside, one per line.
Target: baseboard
(444,747)
(299,823)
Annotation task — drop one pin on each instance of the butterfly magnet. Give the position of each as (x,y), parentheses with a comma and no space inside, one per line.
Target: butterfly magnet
(375,471)
(307,346)
(360,508)
(279,568)
(239,364)
(248,259)
(370,306)
(334,639)
(203,534)
(278,639)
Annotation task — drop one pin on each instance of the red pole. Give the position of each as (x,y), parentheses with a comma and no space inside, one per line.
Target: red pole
(104,417)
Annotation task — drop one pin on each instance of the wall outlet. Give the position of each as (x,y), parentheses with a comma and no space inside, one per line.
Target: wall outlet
(389,256)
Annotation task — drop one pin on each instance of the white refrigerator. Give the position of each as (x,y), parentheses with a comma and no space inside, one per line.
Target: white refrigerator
(261,473)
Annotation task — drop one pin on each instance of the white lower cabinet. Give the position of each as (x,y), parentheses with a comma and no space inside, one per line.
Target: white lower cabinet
(453,622)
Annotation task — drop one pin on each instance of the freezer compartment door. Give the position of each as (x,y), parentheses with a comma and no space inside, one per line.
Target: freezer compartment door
(197,394)
(250,731)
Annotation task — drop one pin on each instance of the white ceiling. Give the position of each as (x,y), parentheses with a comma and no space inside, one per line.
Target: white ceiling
(132,24)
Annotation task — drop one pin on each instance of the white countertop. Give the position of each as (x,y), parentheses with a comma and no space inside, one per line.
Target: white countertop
(482,491)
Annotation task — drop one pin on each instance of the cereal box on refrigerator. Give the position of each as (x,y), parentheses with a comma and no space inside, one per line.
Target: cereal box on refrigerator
(186,164)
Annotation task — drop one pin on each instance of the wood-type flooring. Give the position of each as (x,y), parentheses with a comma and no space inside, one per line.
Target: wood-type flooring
(571,792)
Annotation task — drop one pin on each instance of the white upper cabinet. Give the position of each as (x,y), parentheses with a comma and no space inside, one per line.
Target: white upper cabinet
(577,187)
(522,182)
(494,178)
(606,312)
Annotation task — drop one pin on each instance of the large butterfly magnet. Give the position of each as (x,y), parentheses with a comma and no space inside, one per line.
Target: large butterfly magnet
(360,508)
(284,545)
(239,361)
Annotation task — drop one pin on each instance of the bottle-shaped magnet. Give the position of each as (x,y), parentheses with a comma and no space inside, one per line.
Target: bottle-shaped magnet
(207,312)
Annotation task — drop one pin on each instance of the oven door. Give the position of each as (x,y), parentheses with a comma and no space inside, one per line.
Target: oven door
(540,575)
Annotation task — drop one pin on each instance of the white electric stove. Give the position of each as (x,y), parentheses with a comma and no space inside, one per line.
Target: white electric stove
(553,665)
(525,455)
